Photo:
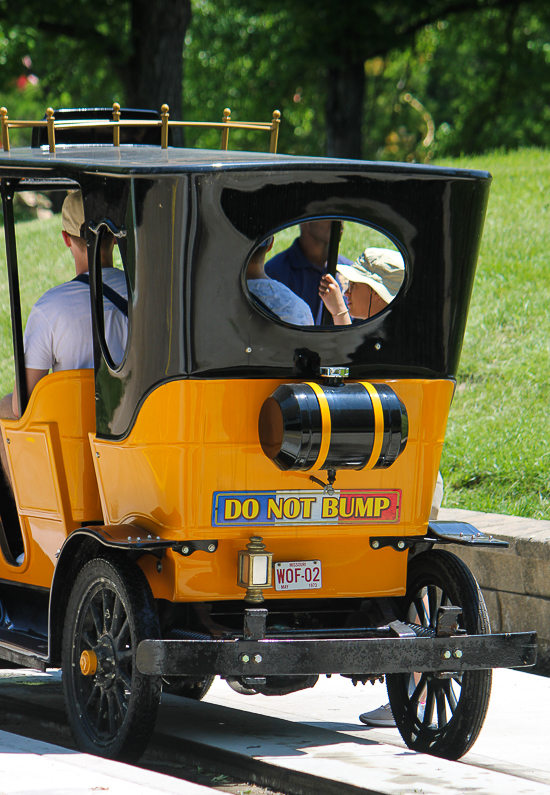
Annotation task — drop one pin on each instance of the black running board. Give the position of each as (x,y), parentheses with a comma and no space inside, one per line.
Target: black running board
(22,649)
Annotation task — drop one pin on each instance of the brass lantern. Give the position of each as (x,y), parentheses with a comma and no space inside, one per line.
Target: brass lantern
(255,569)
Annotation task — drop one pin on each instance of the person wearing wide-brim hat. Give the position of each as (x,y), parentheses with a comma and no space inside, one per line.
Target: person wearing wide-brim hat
(374,280)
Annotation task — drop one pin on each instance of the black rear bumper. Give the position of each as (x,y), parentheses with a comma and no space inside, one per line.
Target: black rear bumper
(282,657)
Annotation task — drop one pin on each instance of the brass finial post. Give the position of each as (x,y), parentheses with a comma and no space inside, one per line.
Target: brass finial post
(116,129)
(5,134)
(275,130)
(165,115)
(51,129)
(225,131)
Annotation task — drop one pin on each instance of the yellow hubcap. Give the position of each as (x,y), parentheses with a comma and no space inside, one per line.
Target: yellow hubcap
(88,663)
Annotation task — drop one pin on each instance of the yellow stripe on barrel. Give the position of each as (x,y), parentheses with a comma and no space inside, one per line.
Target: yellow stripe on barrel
(378,425)
(326,425)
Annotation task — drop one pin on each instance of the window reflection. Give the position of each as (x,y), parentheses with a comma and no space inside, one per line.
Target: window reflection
(325,271)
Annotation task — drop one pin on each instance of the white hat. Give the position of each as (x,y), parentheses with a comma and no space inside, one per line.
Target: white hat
(383,269)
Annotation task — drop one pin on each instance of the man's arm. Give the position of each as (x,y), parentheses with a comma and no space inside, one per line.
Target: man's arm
(33,377)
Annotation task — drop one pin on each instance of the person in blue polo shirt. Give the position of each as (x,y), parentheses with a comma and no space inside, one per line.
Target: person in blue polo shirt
(302,266)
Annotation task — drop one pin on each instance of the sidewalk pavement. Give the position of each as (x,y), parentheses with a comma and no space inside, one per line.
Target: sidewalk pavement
(311,740)
(30,767)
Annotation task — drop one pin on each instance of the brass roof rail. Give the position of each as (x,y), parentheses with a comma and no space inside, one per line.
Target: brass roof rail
(164,123)
(49,122)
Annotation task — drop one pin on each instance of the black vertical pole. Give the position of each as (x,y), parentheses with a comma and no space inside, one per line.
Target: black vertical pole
(332,260)
(8,190)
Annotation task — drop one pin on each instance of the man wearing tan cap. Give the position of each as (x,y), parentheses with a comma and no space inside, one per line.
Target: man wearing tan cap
(58,335)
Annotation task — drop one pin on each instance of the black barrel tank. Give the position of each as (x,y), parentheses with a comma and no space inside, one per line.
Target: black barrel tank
(348,426)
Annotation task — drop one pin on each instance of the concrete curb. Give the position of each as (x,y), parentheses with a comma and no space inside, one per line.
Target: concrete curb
(32,767)
(514,581)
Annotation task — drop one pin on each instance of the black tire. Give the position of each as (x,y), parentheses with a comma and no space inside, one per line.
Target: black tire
(454,708)
(187,687)
(110,611)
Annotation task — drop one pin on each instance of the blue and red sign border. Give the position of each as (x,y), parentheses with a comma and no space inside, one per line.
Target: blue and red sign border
(306,507)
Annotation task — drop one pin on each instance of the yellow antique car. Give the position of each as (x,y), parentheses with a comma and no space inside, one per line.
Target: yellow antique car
(241,496)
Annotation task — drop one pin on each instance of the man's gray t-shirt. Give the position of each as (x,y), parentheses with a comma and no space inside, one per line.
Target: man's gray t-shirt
(58,335)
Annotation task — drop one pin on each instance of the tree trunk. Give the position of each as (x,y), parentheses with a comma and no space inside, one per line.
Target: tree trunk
(344,110)
(155,69)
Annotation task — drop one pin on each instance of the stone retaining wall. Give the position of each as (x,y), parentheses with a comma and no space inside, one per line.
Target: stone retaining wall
(514,581)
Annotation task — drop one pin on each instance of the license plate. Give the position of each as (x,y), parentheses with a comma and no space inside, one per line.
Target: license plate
(298,575)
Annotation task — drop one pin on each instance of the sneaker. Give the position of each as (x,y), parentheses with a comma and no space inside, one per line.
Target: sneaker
(381,717)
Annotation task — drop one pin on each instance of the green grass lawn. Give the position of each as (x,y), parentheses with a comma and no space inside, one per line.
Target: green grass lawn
(496,456)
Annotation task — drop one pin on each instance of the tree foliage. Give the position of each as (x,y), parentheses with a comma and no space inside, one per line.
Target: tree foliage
(489,83)
(401,79)
(95,52)
(484,82)
(394,80)
(233,58)
(340,39)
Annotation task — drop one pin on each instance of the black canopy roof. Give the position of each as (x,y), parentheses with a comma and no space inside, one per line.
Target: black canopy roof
(192,219)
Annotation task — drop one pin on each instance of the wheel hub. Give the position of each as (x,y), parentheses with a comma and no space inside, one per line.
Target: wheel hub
(88,662)
(106,662)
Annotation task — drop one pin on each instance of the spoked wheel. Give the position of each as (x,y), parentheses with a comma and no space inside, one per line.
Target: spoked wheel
(441,714)
(111,706)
